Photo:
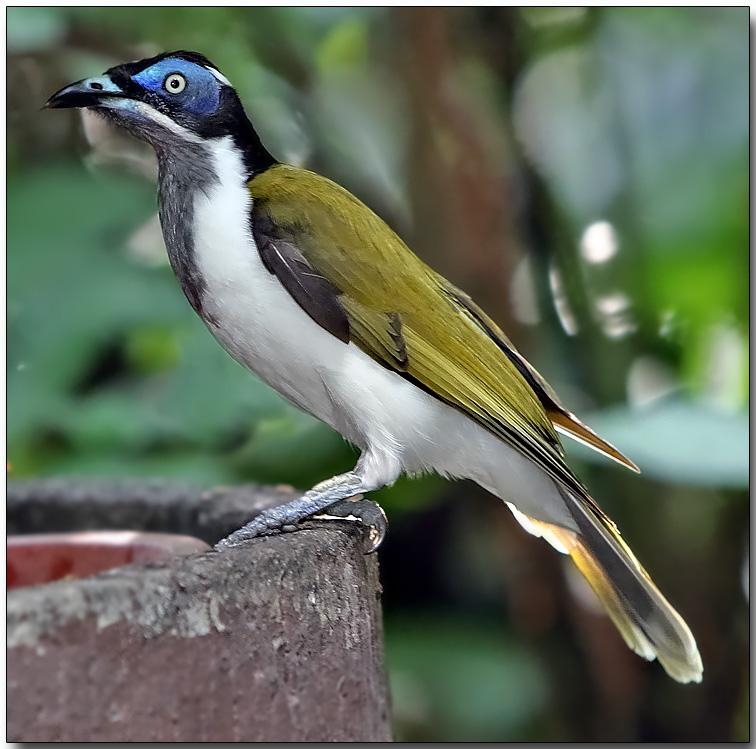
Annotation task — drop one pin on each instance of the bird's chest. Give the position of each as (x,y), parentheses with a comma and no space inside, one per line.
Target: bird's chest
(247,309)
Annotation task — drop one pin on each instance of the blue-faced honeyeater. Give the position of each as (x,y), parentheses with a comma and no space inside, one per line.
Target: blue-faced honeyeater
(309,289)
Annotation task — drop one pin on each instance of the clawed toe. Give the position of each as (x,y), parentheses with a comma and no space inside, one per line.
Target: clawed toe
(369,514)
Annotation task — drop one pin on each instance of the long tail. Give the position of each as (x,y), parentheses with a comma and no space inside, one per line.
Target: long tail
(645,619)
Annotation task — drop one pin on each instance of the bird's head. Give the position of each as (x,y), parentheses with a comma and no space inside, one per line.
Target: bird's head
(167,100)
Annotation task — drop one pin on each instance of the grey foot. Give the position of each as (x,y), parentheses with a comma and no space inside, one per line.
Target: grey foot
(286,517)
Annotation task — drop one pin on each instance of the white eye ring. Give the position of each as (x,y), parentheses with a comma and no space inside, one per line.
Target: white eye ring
(175,83)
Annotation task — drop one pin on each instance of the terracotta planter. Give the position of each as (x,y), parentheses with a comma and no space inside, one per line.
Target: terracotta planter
(46,557)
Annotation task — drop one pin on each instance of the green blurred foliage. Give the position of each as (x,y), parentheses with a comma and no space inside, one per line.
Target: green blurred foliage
(583,172)
(445,691)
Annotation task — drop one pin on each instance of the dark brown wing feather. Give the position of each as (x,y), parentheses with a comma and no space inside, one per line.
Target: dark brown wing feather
(314,293)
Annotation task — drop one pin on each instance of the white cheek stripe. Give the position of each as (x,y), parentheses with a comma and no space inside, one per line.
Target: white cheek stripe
(164,121)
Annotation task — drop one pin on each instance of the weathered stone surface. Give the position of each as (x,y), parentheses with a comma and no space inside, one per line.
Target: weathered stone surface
(277,640)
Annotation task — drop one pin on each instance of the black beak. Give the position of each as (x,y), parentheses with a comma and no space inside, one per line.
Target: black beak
(91,92)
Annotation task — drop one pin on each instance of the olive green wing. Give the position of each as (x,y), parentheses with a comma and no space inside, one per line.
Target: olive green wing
(346,267)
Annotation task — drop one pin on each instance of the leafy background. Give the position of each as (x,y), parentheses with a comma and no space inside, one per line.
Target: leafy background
(583,173)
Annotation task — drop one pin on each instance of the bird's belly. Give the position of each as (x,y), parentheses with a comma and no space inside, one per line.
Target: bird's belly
(251,316)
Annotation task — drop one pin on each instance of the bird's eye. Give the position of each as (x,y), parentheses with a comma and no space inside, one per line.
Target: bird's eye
(174,83)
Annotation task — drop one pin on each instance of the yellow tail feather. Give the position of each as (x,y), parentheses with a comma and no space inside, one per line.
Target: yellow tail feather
(644,618)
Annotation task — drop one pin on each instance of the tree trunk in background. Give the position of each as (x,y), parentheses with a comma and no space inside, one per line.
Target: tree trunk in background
(459,189)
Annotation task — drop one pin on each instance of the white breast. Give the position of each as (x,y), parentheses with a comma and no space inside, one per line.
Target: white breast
(247,309)
(252,315)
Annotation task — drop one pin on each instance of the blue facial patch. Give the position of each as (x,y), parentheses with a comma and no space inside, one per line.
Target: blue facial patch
(202,92)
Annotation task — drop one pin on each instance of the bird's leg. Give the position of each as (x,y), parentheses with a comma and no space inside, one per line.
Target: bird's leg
(374,470)
(285,517)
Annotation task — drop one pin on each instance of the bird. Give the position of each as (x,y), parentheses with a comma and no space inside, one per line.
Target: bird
(310,290)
